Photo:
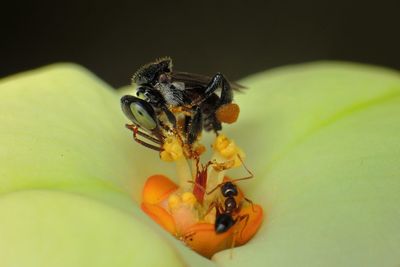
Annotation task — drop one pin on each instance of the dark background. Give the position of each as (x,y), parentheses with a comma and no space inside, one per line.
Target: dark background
(113,38)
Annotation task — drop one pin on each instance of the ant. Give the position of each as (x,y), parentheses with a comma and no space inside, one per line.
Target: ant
(226,214)
(227,210)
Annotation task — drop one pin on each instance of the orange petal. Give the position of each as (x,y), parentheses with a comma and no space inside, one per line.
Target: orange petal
(203,239)
(160,216)
(245,232)
(157,188)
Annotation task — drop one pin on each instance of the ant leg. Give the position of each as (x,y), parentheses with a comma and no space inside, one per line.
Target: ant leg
(226,90)
(224,166)
(239,219)
(232,244)
(251,175)
(215,188)
(198,185)
(136,132)
(216,205)
(251,203)
(245,217)
(194,125)
(213,204)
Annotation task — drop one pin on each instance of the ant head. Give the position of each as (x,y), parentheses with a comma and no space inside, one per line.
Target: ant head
(229,189)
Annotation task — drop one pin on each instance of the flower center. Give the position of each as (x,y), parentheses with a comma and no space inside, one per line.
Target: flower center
(207,210)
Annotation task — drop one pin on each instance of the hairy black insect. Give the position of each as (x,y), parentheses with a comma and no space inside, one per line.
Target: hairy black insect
(171,100)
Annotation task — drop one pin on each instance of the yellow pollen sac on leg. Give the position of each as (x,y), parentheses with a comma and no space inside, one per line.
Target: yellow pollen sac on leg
(172,149)
(228,113)
(227,148)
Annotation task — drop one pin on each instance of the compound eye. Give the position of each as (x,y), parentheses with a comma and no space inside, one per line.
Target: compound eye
(139,112)
(143,116)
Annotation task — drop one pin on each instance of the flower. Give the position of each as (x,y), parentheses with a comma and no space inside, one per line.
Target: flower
(321,138)
(191,210)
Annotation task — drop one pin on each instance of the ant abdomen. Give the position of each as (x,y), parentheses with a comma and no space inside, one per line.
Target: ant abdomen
(223,223)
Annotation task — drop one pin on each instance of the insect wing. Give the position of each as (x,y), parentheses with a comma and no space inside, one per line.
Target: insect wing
(194,81)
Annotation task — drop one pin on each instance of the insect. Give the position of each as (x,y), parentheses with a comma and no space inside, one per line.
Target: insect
(187,102)
(227,214)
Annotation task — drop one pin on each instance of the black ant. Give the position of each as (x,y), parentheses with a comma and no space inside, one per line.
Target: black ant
(226,214)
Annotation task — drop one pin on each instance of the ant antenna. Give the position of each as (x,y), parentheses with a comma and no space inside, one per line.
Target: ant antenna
(251,175)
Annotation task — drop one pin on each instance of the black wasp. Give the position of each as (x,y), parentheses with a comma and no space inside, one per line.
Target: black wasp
(186,102)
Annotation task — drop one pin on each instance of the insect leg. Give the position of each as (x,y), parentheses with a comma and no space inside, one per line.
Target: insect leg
(136,131)
(215,205)
(245,217)
(194,125)
(170,115)
(232,244)
(226,93)
(251,175)
(238,220)
(251,203)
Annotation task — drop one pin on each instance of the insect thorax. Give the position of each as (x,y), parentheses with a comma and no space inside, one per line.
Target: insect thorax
(172,94)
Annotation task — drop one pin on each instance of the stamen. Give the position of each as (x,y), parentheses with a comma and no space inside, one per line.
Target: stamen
(191,215)
(184,174)
(173,202)
(226,149)
(225,157)
(189,199)
(172,149)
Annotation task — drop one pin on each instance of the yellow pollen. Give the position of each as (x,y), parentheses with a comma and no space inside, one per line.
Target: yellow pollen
(172,149)
(174,201)
(227,148)
(189,198)
(224,165)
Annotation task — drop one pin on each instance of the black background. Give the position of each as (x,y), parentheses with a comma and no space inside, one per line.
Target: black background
(113,38)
